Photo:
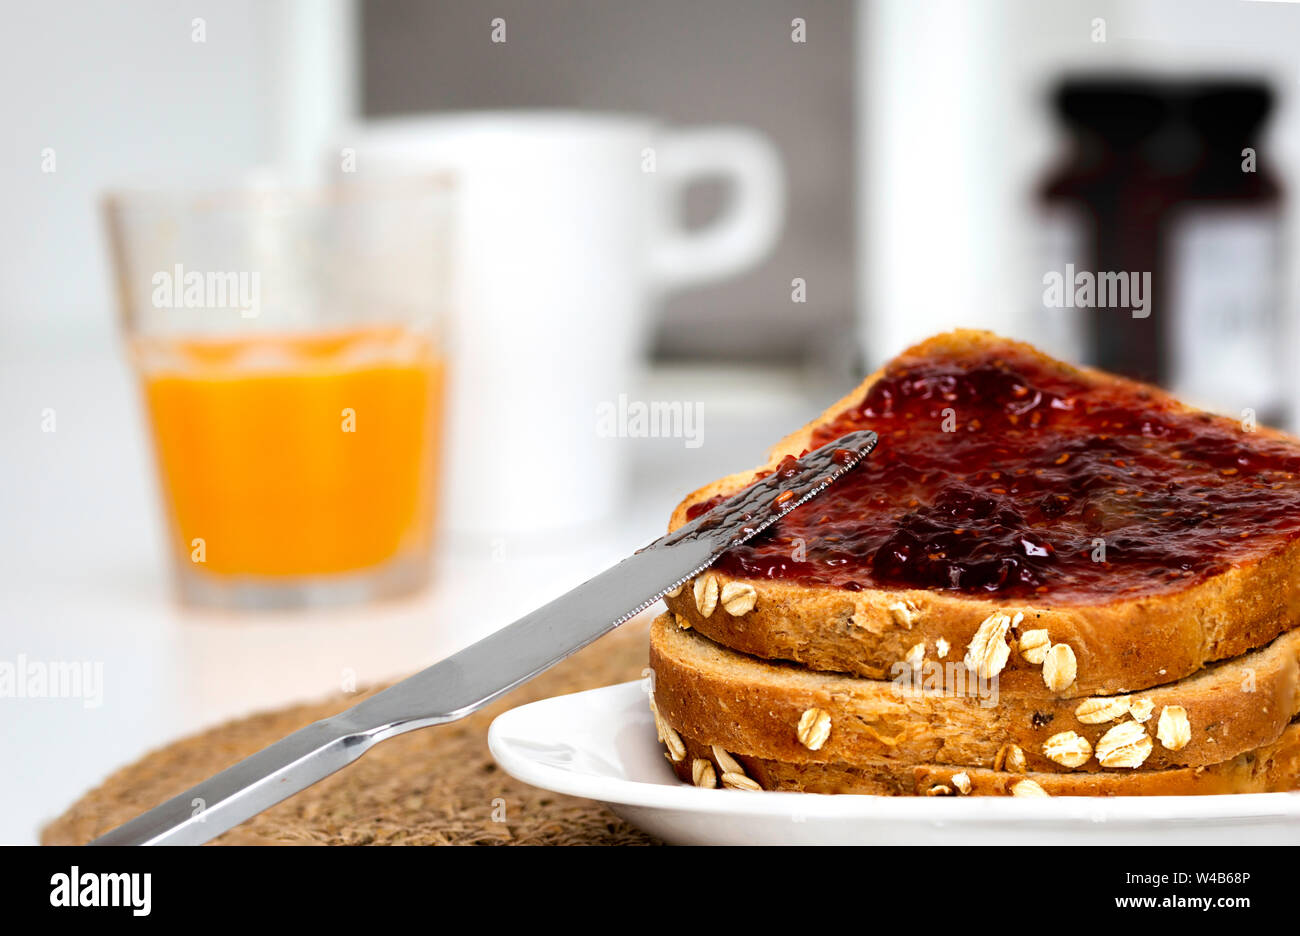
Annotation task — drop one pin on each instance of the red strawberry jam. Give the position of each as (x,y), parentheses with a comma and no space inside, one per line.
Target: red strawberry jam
(1000,473)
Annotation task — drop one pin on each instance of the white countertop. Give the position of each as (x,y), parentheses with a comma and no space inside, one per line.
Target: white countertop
(82,576)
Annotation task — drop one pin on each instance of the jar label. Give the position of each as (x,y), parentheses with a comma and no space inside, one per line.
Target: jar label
(1225,344)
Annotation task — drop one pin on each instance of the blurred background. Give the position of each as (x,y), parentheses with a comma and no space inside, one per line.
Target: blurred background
(735,208)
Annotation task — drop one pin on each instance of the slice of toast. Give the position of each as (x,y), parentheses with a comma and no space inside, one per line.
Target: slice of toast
(756,707)
(1272,768)
(1147,538)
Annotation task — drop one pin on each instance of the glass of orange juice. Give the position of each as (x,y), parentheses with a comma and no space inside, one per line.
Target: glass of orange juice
(289,348)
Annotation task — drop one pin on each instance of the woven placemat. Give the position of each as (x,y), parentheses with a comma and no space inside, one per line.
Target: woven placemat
(438,786)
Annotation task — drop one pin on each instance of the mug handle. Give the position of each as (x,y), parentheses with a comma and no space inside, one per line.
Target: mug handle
(748,226)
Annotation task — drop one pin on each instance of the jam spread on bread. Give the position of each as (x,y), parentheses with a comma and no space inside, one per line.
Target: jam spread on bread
(1001,472)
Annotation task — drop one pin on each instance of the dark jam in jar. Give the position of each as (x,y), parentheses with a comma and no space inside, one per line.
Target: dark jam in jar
(998,473)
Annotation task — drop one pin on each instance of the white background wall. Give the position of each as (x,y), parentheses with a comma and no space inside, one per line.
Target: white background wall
(951,120)
(123,95)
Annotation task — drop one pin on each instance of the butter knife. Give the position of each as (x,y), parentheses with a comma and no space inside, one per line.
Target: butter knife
(488,669)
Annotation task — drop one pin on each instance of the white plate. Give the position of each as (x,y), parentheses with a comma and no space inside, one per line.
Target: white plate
(601,745)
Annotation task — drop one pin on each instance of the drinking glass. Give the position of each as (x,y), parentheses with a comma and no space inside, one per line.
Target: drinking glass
(289,348)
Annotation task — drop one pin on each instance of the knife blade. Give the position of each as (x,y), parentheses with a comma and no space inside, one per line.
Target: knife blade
(484,671)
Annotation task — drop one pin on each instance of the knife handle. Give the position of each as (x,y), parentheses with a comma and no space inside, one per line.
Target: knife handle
(256,783)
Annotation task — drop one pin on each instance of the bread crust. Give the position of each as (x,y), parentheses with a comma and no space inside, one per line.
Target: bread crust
(752,706)
(1272,768)
(1120,645)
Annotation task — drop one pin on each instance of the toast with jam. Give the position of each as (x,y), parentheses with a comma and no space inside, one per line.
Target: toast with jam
(1071,532)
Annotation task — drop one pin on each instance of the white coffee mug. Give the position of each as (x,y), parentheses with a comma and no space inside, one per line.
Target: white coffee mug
(567,232)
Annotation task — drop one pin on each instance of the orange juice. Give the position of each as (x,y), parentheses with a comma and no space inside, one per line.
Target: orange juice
(295,455)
